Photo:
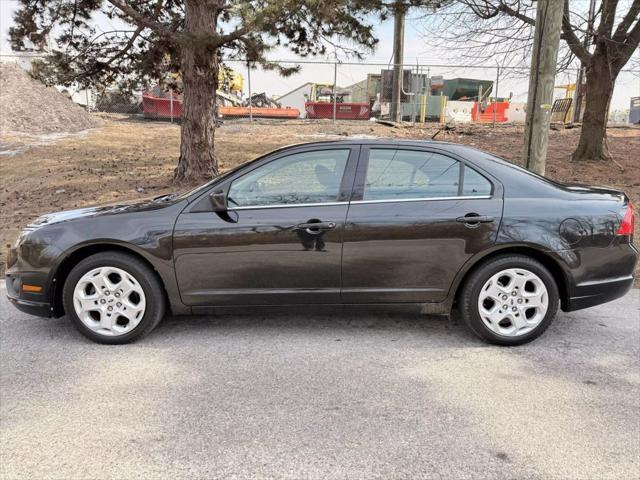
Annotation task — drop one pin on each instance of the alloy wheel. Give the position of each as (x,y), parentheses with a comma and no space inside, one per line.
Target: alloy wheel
(109,301)
(513,302)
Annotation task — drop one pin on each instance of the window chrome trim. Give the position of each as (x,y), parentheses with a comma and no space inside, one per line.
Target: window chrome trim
(397,200)
(331,204)
(287,205)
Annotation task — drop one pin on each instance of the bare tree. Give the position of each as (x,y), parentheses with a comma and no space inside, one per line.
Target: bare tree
(503,30)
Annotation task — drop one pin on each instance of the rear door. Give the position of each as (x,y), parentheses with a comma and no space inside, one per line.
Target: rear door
(416,216)
(280,241)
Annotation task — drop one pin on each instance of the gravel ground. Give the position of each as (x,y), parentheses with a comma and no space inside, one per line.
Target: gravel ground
(29,107)
(341,396)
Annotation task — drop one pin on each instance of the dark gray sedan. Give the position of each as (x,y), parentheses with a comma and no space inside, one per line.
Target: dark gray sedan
(425,225)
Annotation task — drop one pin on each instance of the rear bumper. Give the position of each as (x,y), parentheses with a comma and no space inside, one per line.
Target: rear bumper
(604,274)
(589,294)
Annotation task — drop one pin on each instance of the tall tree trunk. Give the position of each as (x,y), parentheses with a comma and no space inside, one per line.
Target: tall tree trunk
(200,81)
(601,79)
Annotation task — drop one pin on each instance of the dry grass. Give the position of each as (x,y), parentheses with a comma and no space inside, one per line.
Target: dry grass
(110,163)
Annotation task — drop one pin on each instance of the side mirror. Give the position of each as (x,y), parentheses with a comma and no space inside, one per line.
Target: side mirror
(218,200)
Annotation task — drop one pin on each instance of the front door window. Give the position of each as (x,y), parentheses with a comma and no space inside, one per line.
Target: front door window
(301,178)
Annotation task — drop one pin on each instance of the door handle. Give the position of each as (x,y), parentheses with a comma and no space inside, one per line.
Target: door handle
(315,228)
(475,219)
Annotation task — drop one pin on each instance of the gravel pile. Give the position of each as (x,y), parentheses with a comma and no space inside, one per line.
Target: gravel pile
(28,106)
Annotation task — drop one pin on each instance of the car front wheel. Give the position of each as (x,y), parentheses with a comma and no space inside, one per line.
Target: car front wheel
(113,298)
(509,300)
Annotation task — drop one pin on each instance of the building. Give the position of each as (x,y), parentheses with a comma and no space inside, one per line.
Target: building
(296,98)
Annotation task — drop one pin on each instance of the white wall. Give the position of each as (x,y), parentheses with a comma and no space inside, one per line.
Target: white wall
(516,112)
(458,111)
(296,99)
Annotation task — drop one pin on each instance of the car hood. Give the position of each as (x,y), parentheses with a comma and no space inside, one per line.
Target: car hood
(100,211)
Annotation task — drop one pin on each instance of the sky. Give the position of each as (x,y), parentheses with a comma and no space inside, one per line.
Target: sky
(417,51)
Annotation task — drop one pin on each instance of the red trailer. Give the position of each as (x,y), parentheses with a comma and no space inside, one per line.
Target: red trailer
(344,111)
(168,107)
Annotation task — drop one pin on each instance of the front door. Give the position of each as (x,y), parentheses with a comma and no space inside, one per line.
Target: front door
(417,216)
(280,241)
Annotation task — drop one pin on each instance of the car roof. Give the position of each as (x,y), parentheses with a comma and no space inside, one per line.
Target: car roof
(373,141)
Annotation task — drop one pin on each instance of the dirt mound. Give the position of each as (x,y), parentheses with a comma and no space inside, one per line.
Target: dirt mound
(28,106)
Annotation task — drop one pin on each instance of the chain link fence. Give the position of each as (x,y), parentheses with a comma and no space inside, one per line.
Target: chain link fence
(359,91)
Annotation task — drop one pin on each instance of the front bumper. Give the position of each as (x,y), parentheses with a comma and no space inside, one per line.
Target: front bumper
(31,303)
(40,309)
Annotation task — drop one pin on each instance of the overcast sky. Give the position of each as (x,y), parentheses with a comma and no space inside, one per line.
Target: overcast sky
(416,51)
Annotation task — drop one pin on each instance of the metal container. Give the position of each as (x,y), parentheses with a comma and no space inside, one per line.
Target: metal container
(634,110)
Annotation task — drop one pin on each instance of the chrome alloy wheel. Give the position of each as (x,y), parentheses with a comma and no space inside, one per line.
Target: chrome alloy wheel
(513,302)
(109,301)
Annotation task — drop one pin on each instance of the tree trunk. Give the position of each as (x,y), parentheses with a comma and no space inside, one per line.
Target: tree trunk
(200,80)
(601,79)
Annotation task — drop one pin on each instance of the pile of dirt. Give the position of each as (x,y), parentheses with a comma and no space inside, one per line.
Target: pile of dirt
(28,106)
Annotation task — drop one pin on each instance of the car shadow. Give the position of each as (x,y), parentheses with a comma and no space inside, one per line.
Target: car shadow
(317,322)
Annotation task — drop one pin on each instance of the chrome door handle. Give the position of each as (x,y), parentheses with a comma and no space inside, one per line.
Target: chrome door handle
(315,228)
(472,219)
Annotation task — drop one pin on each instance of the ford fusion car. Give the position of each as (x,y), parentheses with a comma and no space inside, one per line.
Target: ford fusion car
(426,225)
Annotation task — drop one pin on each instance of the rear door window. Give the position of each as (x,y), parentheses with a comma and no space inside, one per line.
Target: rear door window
(409,174)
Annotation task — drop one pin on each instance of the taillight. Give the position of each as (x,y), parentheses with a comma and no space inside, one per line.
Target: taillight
(626,226)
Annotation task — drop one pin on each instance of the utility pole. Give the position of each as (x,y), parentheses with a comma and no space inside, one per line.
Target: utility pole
(579,94)
(400,11)
(541,82)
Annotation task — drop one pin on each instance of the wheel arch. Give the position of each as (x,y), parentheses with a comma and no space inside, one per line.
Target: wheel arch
(544,257)
(62,270)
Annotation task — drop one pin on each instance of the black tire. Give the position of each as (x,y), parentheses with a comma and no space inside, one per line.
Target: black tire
(146,277)
(471,291)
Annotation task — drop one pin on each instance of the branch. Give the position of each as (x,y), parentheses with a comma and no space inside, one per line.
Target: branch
(516,14)
(232,36)
(492,11)
(629,46)
(93,40)
(569,36)
(141,20)
(127,47)
(632,15)
(608,17)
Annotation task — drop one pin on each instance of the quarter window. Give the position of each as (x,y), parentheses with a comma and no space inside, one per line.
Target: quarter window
(404,174)
(475,184)
(309,177)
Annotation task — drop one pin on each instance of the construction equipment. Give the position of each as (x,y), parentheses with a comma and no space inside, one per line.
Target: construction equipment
(569,93)
(261,100)
(161,104)
(560,112)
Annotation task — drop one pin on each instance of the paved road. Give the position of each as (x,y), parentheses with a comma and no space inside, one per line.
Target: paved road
(340,396)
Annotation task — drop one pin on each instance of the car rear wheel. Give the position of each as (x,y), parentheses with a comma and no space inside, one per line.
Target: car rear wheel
(510,300)
(113,298)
